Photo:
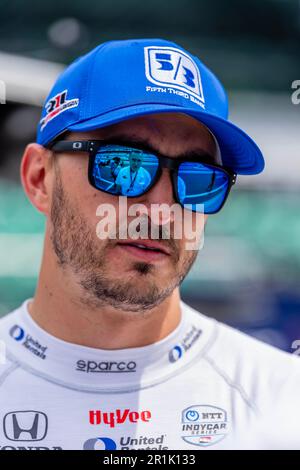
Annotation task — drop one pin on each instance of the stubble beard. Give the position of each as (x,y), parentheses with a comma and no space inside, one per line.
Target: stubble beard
(78,252)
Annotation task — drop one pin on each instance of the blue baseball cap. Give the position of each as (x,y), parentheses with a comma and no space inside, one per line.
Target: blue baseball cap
(119,80)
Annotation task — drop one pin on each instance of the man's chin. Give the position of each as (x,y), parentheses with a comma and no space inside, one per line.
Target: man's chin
(130,293)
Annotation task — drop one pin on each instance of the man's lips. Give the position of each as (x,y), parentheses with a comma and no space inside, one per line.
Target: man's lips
(147,250)
(146,245)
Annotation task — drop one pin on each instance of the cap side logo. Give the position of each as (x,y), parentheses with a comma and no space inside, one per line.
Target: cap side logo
(168,66)
(56,105)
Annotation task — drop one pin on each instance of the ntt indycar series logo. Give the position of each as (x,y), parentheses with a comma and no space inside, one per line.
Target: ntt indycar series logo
(18,334)
(204,425)
(190,338)
(105,366)
(126,443)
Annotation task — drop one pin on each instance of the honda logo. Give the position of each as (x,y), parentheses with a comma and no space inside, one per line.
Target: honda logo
(25,426)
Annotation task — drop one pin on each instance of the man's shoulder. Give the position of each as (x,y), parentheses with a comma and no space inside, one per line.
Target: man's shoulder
(10,325)
(6,365)
(8,317)
(145,172)
(248,364)
(233,342)
(229,342)
(124,170)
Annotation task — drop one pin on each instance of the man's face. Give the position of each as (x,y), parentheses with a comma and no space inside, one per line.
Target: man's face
(135,161)
(114,163)
(110,271)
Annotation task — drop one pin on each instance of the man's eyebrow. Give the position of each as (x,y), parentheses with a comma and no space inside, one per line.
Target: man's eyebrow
(145,144)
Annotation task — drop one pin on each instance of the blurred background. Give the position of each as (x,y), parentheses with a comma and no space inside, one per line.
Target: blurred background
(248,273)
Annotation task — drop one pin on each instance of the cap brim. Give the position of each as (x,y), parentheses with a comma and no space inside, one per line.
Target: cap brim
(239,152)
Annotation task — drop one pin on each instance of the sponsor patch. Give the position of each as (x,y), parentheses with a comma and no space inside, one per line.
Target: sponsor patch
(118,417)
(105,366)
(127,443)
(33,345)
(187,342)
(173,71)
(57,105)
(204,425)
(25,426)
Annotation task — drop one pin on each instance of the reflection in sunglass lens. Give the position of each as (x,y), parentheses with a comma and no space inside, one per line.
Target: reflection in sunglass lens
(124,171)
(198,183)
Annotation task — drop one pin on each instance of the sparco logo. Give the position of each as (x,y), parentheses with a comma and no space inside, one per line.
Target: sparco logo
(18,334)
(127,443)
(25,426)
(118,417)
(187,342)
(93,366)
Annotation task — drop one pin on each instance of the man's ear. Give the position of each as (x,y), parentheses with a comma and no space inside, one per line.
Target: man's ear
(37,176)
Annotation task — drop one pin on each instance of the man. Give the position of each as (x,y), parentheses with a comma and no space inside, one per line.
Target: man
(115,167)
(133,178)
(106,355)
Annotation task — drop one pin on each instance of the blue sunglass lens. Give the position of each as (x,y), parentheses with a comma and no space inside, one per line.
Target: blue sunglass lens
(124,171)
(202,185)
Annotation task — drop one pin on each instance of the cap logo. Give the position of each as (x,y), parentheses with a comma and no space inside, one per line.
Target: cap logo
(56,105)
(172,68)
